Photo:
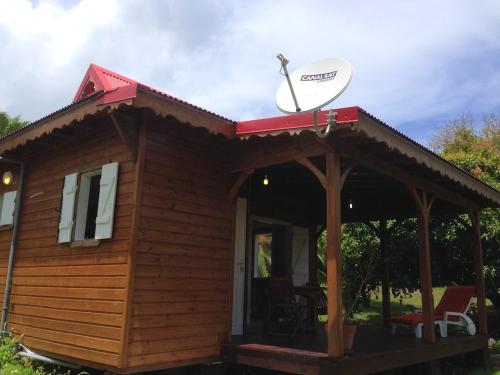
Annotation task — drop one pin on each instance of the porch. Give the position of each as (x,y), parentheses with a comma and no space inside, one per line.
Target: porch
(375,349)
(295,187)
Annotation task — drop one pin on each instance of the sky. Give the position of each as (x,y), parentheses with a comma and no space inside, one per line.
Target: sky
(417,64)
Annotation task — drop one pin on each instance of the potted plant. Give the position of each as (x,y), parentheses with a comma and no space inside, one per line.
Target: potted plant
(354,295)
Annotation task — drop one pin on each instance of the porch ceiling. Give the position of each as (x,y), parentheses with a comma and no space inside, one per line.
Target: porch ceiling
(294,194)
(360,137)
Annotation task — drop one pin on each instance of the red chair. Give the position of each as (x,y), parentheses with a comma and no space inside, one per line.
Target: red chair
(452,309)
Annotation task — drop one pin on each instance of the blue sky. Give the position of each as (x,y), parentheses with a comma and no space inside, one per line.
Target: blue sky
(417,64)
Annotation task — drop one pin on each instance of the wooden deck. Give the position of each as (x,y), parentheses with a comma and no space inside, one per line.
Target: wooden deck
(375,350)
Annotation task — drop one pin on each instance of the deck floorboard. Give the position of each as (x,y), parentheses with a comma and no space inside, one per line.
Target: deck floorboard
(375,350)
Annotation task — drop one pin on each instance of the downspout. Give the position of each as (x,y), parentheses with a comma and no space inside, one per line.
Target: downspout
(8,278)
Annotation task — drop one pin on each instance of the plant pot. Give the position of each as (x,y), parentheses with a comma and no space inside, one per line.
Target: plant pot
(349,332)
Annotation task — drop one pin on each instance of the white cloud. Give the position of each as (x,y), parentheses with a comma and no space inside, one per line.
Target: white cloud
(413,59)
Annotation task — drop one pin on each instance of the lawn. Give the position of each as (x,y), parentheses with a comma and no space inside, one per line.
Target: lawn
(399,306)
(405,304)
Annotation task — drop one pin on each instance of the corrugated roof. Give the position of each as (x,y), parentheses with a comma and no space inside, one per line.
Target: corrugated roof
(34,124)
(293,124)
(109,82)
(105,87)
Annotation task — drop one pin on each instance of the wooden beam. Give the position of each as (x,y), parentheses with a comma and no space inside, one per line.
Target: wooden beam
(126,326)
(242,177)
(346,172)
(479,273)
(423,211)
(314,170)
(334,256)
(128,132)
(255,154)
(377,164)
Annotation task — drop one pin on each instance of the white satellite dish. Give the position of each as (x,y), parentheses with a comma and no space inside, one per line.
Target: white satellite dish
(313,86)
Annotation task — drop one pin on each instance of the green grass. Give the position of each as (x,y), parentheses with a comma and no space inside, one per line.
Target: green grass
(399,306)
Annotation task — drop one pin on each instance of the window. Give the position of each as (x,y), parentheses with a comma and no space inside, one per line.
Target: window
(88,204)
(7,206)
(86,210)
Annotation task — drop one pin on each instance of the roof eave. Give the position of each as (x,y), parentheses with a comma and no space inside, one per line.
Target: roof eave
(393,139)
(164,105)
(64,117)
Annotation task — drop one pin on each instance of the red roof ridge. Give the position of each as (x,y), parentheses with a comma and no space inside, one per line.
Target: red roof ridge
(117,87)
(98,78)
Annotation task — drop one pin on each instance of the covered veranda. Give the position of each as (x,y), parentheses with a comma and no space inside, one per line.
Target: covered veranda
(363,171)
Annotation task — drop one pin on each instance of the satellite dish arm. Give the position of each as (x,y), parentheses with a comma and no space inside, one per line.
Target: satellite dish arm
(284,63)
(331,118)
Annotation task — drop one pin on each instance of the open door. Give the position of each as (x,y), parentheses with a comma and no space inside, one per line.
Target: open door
(239,266)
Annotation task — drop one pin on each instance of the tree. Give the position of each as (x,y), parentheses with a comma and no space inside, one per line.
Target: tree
(8,124)
(477,152)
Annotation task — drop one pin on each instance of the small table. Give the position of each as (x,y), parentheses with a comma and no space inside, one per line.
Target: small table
(311,294)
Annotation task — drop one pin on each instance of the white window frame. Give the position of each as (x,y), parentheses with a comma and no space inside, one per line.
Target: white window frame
(77,208)
(7,208)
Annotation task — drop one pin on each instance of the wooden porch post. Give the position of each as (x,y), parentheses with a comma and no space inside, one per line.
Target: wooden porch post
(334,258)
(478,270)
(424,205)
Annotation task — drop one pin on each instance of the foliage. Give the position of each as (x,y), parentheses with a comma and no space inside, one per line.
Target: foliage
(477,152)
(359,262)
(8,123)
(11,364)
(263,255)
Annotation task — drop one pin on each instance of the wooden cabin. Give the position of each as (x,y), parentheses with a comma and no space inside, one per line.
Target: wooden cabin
(139,215)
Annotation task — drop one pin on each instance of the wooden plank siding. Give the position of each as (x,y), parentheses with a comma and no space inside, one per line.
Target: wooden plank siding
(182,289)
(70,302)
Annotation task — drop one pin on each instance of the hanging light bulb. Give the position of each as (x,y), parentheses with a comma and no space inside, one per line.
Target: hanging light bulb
(265,181)
(7,178)
(350,204)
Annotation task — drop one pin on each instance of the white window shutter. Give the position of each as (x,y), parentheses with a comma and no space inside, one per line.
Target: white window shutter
(8,205)
(67,208)
(107,196)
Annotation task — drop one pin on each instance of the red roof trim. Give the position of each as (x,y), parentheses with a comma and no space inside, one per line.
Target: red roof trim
(288,122)
(117,88)
(104,80)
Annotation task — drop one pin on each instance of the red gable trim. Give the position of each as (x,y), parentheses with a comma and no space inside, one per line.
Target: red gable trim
(288,122)
(103,80)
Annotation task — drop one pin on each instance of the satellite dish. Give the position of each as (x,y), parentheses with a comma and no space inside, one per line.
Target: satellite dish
(312,87)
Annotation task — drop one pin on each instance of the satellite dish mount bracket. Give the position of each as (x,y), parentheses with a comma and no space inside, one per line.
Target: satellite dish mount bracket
(331,117)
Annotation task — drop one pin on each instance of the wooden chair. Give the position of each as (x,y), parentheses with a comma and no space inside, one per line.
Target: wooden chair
(322,303)
(285,316)
(452,309)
